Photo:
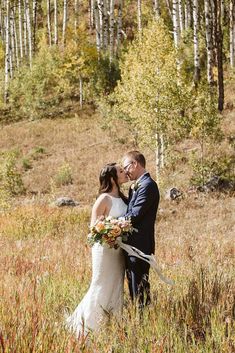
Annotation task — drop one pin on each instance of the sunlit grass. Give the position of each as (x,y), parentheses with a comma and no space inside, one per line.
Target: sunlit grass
(45,268)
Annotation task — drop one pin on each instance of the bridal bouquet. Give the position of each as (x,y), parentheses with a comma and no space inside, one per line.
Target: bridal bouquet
(109,230)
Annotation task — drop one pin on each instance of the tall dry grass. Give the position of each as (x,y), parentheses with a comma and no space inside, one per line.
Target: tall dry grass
(45,270)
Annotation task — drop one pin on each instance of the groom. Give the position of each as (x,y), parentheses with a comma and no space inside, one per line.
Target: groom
(142,208)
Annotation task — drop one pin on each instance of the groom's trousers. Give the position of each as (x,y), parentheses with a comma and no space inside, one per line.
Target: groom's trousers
(138,280)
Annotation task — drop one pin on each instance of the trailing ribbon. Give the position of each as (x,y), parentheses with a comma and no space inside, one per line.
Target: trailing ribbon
(150,259)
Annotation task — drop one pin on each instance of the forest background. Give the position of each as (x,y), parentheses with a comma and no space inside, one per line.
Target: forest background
(80,84)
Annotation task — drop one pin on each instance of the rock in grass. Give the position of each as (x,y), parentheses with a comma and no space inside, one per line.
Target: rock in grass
(65,201)
(173,194)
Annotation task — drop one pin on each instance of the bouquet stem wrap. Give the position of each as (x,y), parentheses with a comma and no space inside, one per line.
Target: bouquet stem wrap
(150,259)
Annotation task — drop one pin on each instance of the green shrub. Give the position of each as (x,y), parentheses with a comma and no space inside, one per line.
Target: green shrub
(64,175)
(10,178)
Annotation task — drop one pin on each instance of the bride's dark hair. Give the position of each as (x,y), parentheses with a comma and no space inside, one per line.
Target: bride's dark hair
(109,172)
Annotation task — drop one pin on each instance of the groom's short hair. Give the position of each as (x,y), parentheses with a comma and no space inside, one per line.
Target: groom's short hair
(137,156)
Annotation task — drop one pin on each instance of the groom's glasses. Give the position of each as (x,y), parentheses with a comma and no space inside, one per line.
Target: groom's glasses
(127,166)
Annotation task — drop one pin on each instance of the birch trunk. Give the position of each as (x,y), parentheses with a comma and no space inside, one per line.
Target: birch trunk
(97,27)
(1,24)
(34,24)
(81,91)
(49,21)
(181,17)
(105,25)
(7,50)
(55,23)
(64,22)
(119,29)
(232,33)
(169,8)
(156,8)
(139,15)
(100,11)
(196,42)
(16,43)
(12,45)
(75,15)
(175,17)
(111,28)
(219,49)
(159,155)
(92,14)
(25,31)
(20,29)
(209,42)
(28,21)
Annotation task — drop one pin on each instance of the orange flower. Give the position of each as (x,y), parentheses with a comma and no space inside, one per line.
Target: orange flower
(116,231)
(99,226)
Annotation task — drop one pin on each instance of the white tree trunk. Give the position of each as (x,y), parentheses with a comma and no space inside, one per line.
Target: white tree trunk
(139,15)
(209,42)
(156,8)
(92,14)
(232,33)
(75,15)
(175,17)
(196,42)
(49,21)
(169,8)
(81,91)
(101,9)
(25,32)
(181,17)
(34,23)
(105,25)
(55,23)
(12,45)
(7,50)
(28,21)
(20,30)
(119,21)
(159,154)
(97,27)
(64,22)
(111,28)
(16,43)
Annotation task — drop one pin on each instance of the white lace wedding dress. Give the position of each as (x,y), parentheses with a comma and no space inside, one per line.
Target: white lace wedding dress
(105,294)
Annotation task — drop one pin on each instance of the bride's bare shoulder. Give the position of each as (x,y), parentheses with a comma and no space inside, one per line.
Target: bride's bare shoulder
(102,200)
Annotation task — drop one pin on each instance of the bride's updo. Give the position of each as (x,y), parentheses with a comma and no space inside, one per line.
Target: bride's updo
(107,174)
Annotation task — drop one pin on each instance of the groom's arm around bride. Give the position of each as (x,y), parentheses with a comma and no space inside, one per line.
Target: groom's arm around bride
(142,209)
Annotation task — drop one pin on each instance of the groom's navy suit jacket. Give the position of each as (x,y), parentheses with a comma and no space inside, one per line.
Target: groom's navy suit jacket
(142,208)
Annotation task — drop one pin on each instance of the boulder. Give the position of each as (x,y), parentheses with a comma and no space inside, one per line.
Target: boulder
(173,194)
(65,201)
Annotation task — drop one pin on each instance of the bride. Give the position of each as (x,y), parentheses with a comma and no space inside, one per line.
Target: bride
(105,294)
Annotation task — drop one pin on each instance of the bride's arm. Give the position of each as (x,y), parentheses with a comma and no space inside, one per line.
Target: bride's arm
(100,208)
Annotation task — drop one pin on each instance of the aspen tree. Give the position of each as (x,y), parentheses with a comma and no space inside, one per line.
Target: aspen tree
(20,29)
(111,29)
(105,25)
(175,17)
(209,42)
(7,50)
(139,15)
(28,23)
(35,4)
(196,42)
(75,15)
(49,21)
(119,22)
(64,21)
(55,23)
(232,33)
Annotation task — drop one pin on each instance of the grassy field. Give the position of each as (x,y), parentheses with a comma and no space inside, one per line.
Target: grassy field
(45,263)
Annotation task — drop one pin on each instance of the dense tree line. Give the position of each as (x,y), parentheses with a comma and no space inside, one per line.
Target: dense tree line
(206,26)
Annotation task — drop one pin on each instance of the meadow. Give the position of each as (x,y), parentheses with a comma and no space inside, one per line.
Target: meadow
(45,262)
